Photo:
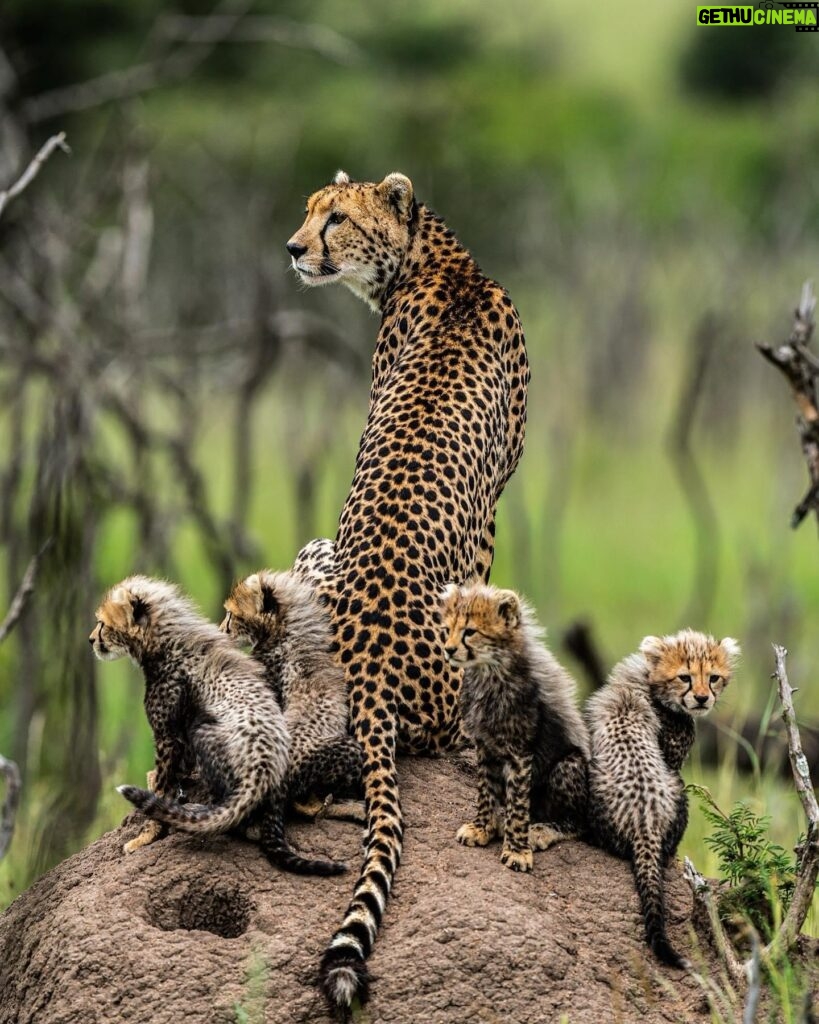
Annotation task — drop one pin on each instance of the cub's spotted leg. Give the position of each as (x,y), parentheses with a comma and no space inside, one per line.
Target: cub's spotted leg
(560,805)
(542,836)
(516,853)
(486,826)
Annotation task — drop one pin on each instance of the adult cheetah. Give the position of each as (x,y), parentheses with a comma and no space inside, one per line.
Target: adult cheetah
(444,433)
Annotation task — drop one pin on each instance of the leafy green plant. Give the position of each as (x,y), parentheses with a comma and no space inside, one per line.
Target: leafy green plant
(251,1008)
(760,874)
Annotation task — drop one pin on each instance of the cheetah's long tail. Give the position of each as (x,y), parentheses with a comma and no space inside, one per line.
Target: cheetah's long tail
(343,972)
(647,863)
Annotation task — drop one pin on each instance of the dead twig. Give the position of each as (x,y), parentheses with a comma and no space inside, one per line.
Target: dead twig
(754,982)
(800,367)
(8,812)
(704,896)
(807,867)
(33,169)
(24,591)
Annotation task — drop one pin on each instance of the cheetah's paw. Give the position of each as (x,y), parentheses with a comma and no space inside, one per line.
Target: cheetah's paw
(516,860)
(471,834)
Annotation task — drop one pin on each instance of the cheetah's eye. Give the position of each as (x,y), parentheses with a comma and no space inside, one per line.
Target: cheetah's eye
(336,217)
(684,677)
(714,679)
(467,633)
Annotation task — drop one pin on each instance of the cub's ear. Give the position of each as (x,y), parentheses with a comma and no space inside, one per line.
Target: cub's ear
(509,608)
(732,651)
(651,647)
(270,603)
(341,178)
(397,192)
(140,612)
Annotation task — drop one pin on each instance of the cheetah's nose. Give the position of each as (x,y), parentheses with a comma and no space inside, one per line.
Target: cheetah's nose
(448,652)
(701,699)
(295,249)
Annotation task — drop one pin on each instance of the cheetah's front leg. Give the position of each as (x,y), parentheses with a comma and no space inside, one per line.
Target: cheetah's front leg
(517,853)
(486,826)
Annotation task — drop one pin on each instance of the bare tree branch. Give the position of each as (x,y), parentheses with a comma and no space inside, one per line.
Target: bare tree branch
(33,169)
(24,591)
(262,28)
(754,983)
(807,868)
(704,896)
(8,812)
(692,482)
(197,37)
(801,368)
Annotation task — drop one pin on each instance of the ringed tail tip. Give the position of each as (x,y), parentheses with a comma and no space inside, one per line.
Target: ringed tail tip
(344,978)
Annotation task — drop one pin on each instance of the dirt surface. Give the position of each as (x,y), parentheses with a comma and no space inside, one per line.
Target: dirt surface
(189,930)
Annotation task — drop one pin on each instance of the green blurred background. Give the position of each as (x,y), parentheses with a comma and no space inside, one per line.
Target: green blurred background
(644,188)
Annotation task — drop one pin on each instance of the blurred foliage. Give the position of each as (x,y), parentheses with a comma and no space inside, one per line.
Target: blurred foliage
(745,64)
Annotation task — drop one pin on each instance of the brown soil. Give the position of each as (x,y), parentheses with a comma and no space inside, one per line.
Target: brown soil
(187,930)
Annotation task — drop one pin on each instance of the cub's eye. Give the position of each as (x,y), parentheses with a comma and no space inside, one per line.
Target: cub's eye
(714,679)
(468,633)
(684,677)
(336,217)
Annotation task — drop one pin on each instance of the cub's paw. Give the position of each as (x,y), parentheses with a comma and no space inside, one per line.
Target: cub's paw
(471,834)
(516,860)
(541,837)
(151,832)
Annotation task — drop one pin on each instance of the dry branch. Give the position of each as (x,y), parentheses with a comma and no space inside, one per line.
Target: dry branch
(704,896)
(807,867)
(24,591)
(196,37)
(33,169)
(801,368)
(8,812)
(692,481)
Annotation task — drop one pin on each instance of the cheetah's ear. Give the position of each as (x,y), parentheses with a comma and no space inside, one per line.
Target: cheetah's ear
(732,650)
(341,178)
(139,610)
(397,191)
(270,603)
(651,647)
(509,608)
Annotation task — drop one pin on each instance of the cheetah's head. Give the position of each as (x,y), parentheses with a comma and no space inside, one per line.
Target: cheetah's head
(689,670)
(355,232)
(127,613)
(253,608)
(479,621)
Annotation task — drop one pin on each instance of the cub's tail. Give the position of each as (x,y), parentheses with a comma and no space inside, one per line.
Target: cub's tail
(647,863)
(200,818)
(275,847)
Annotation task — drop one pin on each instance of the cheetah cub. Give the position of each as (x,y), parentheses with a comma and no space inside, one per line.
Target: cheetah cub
(518,705)
(281,618)
(213,717)
(642,727)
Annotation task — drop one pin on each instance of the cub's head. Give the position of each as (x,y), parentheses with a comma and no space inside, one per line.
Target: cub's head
(355,232)
(123,619)
(254,608)
(689,670)
(479,621)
